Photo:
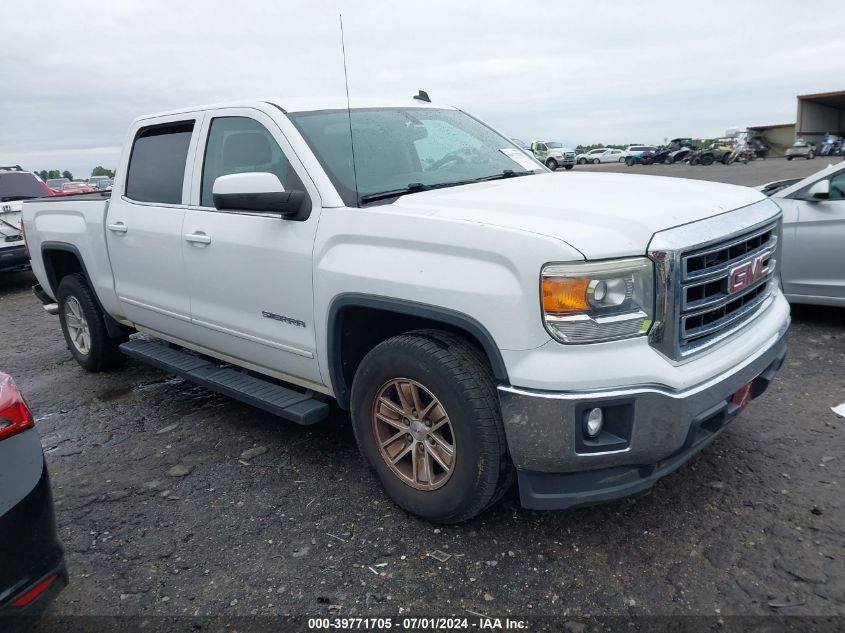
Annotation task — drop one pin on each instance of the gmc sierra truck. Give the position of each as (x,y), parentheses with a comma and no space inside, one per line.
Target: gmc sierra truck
(481,318)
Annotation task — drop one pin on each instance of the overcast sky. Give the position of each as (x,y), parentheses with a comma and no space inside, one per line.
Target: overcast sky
(73,75)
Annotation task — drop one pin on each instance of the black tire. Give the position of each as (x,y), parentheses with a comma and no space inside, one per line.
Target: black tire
(568,167)
(811,156)
(629,161)
(102,352)
(622,160)
(582,161)
(707,159)
(551,164)
(668,160)
(458,375)
(789,158)
(596,161)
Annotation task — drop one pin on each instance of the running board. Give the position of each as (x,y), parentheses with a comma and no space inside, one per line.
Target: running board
(301,408)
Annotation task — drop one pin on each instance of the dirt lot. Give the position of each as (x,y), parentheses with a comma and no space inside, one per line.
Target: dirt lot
(175,501)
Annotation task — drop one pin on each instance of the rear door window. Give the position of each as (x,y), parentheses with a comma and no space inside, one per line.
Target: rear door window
(157,165)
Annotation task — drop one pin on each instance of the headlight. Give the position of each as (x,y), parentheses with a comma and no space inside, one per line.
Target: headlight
(604,301)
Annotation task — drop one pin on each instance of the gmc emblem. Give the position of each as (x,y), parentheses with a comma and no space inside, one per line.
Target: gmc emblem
(746,274)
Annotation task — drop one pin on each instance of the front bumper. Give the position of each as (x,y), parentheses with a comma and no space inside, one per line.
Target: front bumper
(655,430)
(13,258)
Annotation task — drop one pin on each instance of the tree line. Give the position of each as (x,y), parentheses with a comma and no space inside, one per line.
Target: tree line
(99,170)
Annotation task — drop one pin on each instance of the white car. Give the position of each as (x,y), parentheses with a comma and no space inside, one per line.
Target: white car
(16,185)
(813,269)
(600,155)
(635,150)
(482,319)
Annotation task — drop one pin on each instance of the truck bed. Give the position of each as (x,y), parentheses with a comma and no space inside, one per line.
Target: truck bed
(74,224)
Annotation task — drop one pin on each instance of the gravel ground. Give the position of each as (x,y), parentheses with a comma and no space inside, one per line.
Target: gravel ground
(175,501)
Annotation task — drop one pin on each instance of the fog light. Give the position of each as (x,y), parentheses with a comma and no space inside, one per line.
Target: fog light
(595,420)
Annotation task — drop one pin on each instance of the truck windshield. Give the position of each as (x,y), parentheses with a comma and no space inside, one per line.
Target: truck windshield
(406,149)
(19,186)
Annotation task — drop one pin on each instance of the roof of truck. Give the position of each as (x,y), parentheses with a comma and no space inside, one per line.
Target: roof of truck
(309,104)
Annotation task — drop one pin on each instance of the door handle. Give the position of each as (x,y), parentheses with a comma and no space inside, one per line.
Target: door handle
(117,227)
(198,237)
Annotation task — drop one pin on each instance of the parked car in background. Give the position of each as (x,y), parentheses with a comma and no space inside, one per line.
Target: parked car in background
(16,185)
(483,320)
(32,568)
(553,154)
(99,183)
(813,269)
(635,150)
(801,149)
(76,186)
(56,183)
(587,157)
(640,158)
(596,156)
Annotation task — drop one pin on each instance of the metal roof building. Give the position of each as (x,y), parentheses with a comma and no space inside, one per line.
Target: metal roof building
(819,114)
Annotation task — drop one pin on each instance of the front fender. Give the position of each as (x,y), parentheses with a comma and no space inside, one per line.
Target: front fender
(489,274)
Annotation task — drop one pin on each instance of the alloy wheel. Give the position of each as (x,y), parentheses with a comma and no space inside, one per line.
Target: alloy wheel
(414,434)
(77,325)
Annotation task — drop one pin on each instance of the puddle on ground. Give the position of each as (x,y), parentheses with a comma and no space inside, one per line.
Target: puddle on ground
(113,394)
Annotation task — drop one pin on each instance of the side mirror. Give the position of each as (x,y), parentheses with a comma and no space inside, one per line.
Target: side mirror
(259,192)
(820,190)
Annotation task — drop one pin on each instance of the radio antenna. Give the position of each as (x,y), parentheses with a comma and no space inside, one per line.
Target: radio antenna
(349,112)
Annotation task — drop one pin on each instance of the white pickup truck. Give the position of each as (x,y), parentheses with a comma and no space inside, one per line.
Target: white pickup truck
(481,318)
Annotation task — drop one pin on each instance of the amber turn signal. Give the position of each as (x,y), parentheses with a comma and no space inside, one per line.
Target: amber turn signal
(564,295)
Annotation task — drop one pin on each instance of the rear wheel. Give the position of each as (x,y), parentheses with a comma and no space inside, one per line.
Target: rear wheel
(426,417)
(551,164)
(811,156)
(84,327)
(567,167)
(596,161)
(668,160)
(629,161)
(707,159)
(582,161)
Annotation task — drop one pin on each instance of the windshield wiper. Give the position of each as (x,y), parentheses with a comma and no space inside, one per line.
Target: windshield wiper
(395,193)
(508,173)
(415,187)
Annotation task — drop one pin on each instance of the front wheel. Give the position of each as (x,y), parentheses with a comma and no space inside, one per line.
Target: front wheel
(427,419)
(811,156)
(629,161)
(551,164)
(84,327)
(582,161)
(568,167)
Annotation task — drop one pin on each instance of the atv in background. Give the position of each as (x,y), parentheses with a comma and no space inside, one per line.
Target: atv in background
(676,151)
(718,152)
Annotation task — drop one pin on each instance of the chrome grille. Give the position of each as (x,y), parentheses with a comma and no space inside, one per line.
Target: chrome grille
(708,307)
(713,277)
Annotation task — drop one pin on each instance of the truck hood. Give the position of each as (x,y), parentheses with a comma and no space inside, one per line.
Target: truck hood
(601,215)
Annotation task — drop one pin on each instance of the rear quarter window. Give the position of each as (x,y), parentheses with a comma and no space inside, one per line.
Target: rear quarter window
(157,164)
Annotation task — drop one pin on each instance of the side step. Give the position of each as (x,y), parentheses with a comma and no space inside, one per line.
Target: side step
(301,408)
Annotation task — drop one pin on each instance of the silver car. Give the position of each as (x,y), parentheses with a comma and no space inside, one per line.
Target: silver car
(813,267)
